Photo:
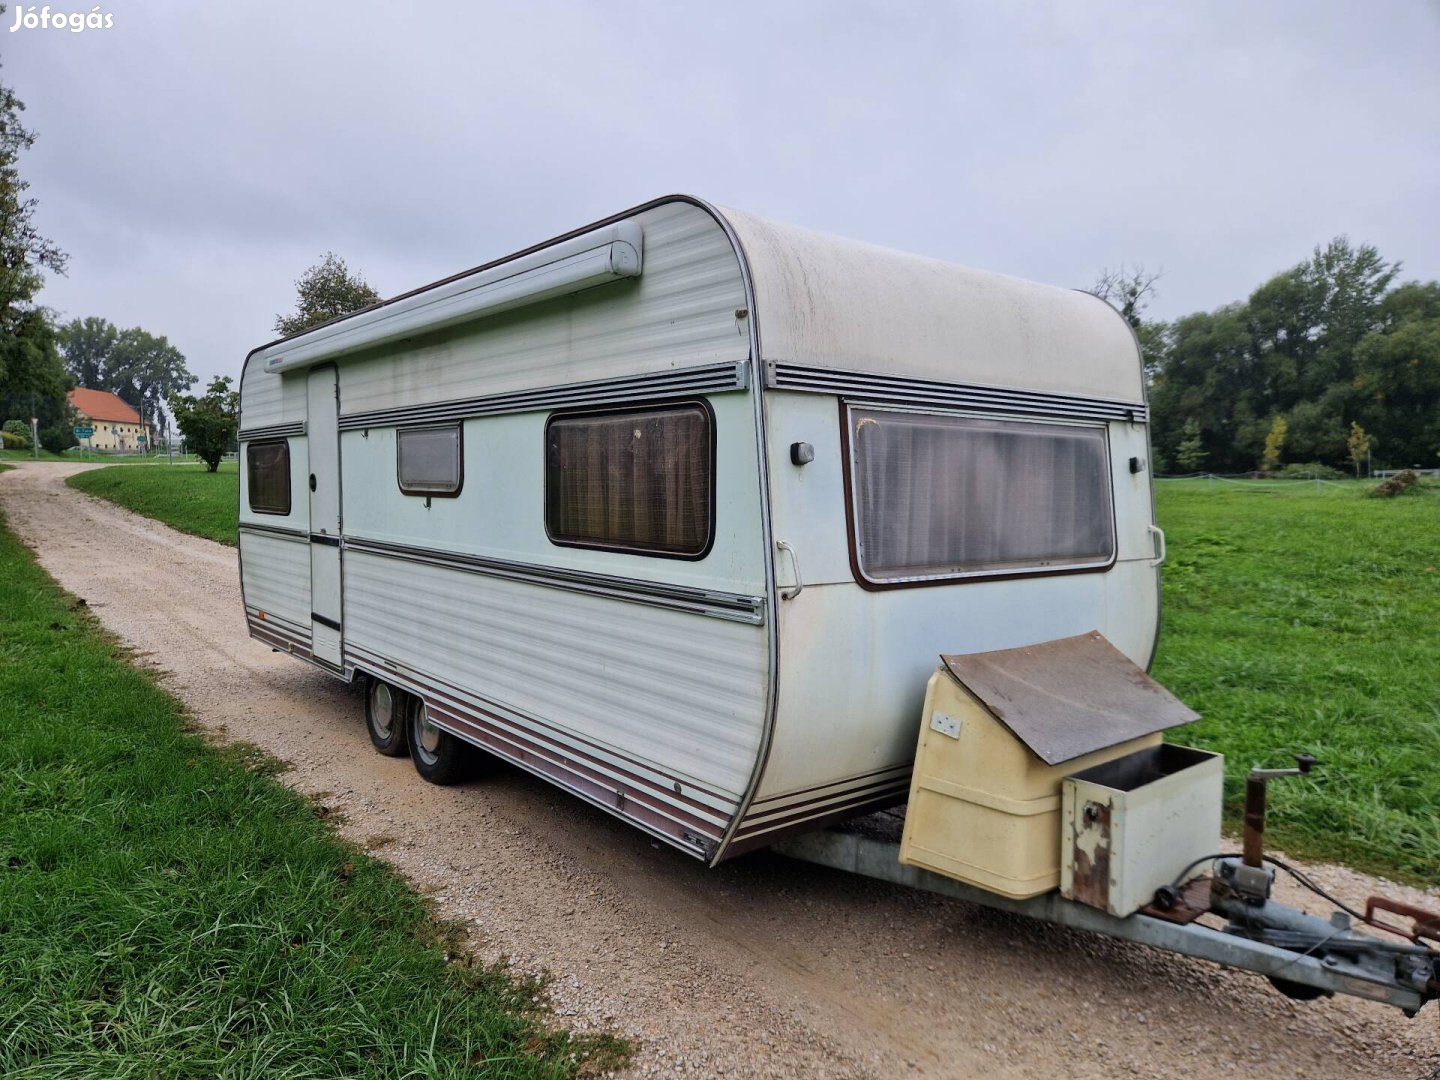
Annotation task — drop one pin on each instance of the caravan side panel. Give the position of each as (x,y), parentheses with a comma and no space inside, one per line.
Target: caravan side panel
(274,548)
(637,681)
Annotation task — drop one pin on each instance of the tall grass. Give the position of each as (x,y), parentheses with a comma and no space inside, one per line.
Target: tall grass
(1302,617)
(170,910)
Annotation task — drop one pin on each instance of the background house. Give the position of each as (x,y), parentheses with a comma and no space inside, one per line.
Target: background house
(117,425)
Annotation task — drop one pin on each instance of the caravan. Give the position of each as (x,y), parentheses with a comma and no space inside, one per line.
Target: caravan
(679,509)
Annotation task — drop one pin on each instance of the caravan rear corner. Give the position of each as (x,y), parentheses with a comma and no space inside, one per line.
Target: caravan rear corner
(678,510)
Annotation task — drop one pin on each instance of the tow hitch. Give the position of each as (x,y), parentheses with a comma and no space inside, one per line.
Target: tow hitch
(1239,891)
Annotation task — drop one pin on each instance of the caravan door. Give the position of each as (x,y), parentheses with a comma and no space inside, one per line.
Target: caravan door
(322,429)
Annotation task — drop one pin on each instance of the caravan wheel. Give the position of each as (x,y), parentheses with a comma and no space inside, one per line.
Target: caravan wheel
(439,756)
(386,708)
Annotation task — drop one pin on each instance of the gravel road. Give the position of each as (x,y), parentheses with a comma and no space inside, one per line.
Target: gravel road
(761,968)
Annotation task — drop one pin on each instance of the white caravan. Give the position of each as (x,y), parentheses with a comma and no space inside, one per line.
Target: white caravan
(678,510)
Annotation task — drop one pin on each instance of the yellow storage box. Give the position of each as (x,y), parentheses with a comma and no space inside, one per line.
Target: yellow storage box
(999,733)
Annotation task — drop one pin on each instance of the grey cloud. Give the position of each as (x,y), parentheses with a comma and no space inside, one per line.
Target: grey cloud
(194,160)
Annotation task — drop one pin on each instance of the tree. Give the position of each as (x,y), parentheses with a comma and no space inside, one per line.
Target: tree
(210,423)
(1358,446)
(326,291)
(142,369)
(24,253)
(1322,344)
(35,381)
(32,378)
(1274,445)
(1397,381)
(1128,290)
(86,345)
(1190,454)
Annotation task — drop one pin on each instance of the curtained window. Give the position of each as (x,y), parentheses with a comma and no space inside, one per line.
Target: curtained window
(637,480)
(945,496)
(267,476)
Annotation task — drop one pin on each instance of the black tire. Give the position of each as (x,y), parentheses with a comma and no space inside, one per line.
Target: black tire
(387,712)
(439,757)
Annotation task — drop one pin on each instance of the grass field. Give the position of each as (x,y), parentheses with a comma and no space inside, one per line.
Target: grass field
(1307,618)
(185,497)
(172,910)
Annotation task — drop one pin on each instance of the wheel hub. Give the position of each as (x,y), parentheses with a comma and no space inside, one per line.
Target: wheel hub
(429,733)
(382,710)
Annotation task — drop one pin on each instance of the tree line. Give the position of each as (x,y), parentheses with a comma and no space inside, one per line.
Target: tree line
(1329,363)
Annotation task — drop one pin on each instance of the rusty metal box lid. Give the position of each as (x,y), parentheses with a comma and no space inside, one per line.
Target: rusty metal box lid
(1068,698)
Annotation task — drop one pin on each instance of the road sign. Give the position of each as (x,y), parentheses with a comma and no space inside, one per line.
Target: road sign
(140,439)
(84,432)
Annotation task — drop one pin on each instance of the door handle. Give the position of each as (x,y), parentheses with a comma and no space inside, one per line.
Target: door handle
(1159,534)
(312,481)
(790,594)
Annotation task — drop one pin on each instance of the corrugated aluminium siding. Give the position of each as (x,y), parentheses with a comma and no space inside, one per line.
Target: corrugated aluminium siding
(680,313)
(676,691)
(276,577)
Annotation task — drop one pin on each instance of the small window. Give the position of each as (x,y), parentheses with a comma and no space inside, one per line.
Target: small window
(938,496)
(268,476)
(638,480)
(428,460)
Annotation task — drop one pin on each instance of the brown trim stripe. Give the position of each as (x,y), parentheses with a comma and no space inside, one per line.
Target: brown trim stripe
(626,795)
(848,781)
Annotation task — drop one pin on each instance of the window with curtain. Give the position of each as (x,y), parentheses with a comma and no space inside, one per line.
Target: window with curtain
(267,476)
(637,480)
(939,496)
(428,460)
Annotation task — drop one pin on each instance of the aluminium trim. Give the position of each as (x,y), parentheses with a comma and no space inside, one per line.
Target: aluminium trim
(767,821)
(894,389)
(767,535)
(734,607)
(280,532)
(802,796)
(273,431)
(705,379)
(299,631)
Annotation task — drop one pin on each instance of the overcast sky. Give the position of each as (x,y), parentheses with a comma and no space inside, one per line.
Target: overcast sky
(195,159)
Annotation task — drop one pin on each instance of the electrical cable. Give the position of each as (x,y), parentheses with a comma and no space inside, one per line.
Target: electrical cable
(1299,876)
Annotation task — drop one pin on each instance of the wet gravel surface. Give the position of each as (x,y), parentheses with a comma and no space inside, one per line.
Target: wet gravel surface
(763,967)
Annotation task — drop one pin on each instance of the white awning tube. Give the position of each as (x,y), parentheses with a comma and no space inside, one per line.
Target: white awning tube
(582,262)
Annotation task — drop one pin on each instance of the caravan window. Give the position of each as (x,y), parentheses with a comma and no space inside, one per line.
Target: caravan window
(938,496)
(428,461)
(267,476)
(635,480)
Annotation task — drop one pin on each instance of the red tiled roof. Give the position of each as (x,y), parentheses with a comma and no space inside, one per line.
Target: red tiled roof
(102,405)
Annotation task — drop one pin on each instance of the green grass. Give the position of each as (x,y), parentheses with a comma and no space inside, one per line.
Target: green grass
(29,455)
(1305,618)
(169,909)
(95,456)
(185,497)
